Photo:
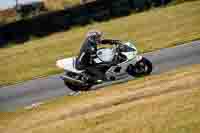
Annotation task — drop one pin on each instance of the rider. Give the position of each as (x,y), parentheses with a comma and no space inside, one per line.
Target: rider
(88,52)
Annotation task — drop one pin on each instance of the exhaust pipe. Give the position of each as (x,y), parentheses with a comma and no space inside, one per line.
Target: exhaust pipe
(71,80)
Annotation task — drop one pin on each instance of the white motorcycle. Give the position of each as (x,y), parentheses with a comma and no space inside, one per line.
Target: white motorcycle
(116,63)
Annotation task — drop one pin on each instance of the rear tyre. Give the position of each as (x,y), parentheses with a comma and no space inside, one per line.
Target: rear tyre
(74,87)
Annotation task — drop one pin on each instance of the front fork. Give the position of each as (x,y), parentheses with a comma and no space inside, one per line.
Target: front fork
(138,66)
(138,58)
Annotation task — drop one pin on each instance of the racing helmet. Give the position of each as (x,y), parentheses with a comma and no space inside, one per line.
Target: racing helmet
(94,36)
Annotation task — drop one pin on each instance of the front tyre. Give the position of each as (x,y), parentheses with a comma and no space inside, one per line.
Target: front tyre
(142,67)
(146,65)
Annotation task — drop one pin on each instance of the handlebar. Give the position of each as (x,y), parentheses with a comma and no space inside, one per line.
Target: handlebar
(117,47)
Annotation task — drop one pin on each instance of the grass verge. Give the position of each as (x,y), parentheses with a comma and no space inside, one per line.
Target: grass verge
(166,103)
(154,29)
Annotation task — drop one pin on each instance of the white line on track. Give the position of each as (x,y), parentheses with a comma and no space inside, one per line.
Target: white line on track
(34,105)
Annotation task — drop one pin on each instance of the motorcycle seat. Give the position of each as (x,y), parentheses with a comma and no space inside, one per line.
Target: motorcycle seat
(68,64)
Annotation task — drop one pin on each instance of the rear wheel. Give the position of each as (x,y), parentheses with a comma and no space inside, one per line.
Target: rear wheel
(143,67)
(77,87)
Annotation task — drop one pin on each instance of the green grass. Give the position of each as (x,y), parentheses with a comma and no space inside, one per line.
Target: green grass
(151,30)
(136,106)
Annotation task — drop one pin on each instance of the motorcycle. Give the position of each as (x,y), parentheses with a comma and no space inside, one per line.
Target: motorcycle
(118,62)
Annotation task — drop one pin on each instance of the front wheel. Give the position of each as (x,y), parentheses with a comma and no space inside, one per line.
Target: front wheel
(143,67)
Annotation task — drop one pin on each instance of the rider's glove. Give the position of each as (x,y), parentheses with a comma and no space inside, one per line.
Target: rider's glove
(109,41)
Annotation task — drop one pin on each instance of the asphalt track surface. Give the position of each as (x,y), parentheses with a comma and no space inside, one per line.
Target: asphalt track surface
(34,92)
